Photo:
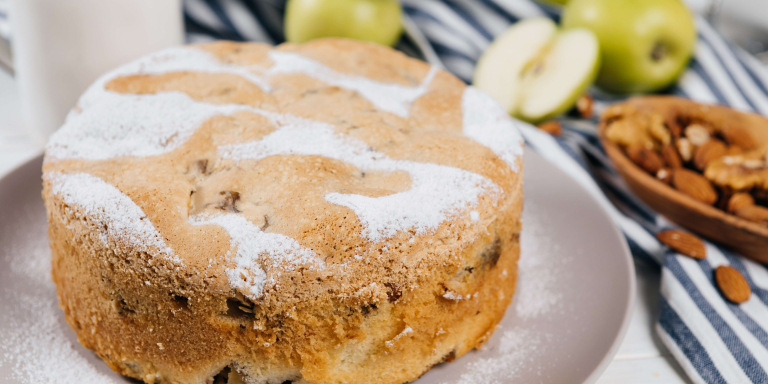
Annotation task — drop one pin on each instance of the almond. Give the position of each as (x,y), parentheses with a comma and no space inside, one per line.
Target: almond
(710,151)
(732,284)
(694,185)
(671,157)
(754,213)
(673,124)
(645,158)
(740,200)
(739,136)
(683,242)
(585,106)
(552,127)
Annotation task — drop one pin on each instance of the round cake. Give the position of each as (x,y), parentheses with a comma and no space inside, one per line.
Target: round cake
(333,212)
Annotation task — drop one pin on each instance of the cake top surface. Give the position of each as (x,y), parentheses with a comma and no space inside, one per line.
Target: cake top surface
(246,165)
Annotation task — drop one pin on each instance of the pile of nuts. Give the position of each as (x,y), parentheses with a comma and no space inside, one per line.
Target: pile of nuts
(721,166)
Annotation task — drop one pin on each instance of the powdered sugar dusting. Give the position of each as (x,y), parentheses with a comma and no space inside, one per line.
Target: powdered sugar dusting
(34,341)
(257,249)
(487,123)
(132,125)
(118,219)
(538,268)
(515,349)
(181,59)
(392,98)
(36,345)
(108,124)
(436,192)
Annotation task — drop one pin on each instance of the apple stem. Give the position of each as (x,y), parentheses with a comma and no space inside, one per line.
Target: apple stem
(658,52)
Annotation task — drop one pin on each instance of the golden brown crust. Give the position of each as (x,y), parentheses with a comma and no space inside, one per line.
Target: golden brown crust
(407,304)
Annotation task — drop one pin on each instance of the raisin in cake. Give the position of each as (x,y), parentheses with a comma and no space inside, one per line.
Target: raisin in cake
(332,212)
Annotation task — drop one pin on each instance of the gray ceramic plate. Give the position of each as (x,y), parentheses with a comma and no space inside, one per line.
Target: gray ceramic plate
(569,314)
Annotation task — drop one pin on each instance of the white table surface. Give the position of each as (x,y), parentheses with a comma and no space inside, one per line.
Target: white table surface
(641,359)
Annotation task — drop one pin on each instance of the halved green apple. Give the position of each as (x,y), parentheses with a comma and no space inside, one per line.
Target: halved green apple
(536,71)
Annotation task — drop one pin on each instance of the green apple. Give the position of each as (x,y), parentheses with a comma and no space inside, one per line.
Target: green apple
(536,71)
(644,44)
(370,20)
(561,2)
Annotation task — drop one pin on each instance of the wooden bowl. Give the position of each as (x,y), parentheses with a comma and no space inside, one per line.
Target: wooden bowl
(746,237)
